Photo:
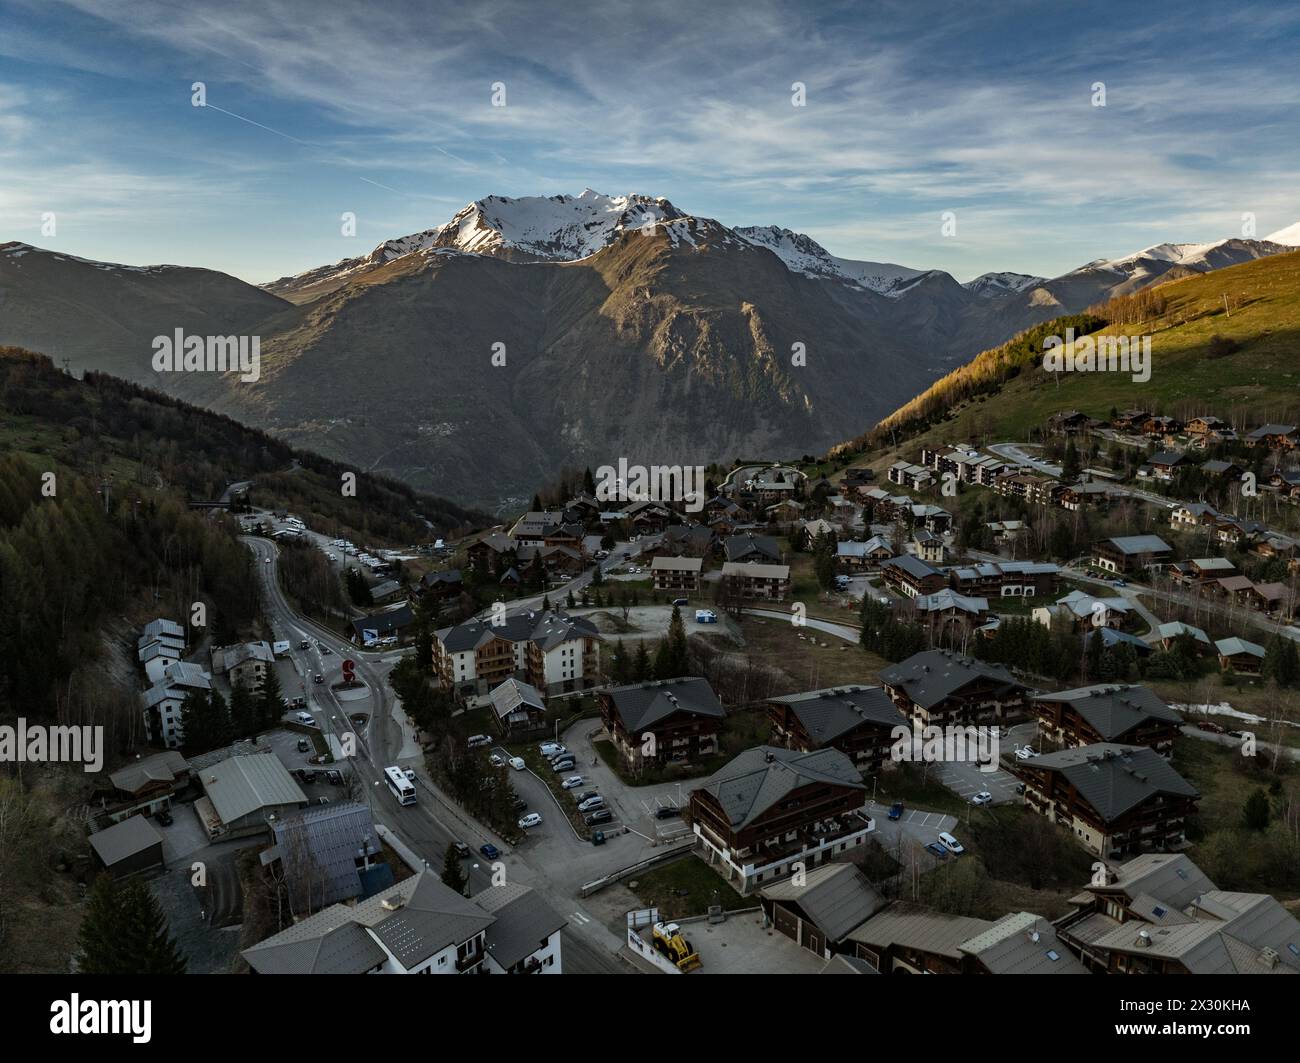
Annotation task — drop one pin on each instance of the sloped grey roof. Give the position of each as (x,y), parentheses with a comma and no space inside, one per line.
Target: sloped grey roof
(920,928)
(755,780)
(523,921)
(548,629)
(1022,943)
(319,848)
(161,767)
(511,694)
(432,917)
(1230,647)
(740,545)
(826,714)
(931,676)
(1228,935)
(1114,778)
(1115,710)
(1139,544)
(1171,876)
(330,942)
(642,705)
(836,897)
(913,566)
(950,599)
(133,835)
(243,784)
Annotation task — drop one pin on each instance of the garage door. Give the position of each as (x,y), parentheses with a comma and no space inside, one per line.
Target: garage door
(786,923)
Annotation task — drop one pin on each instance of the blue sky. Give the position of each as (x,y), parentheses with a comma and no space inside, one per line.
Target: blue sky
(385,110)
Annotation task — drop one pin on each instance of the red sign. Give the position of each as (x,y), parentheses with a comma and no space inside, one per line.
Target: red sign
(349,666)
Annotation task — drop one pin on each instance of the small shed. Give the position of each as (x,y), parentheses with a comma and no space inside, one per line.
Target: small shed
(125,848)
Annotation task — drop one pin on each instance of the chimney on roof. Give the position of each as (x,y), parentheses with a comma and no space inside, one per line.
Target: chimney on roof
(393,903)
(769,756)
(1143,940)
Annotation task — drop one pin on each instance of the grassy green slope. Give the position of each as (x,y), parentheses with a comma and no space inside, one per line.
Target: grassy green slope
(1004,393)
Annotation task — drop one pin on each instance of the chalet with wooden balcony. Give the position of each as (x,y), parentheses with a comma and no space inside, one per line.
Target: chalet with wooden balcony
(769,583)
(1161,914)
(1134,715)
(1117,800)
(858,721)
(912,577)
(1006,579)
(771,808)
(676,573)
(1238,655)
(938,687)
(667,721)
(553,652)
(1274,436)
(1030,488)
(746,547)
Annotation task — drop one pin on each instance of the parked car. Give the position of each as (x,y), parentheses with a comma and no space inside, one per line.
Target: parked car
(307,718)
(681,601)
(478,741)
(667,812)
(1207,725)
(550,749)
(601,815)
(563,764)
(334,778)
(304,746)
(950,843)
(573,782)
(496,760)
(982,798)
(533,819)
(586,795)
(938,850)
(518,805)
(896,810)
(321,801)
(490,851)
(164,817)
(518,763)
(1020,788)
(705,616)
(1025,753)
(460,849)
(591,804)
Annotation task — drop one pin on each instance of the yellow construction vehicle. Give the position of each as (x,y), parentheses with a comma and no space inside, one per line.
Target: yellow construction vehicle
(668,939)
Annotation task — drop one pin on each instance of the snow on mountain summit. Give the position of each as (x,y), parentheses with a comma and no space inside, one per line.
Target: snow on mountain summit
(991,285)
(1288,237)
(803,254)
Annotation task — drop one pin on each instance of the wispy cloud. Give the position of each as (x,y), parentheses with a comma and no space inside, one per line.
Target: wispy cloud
(911,109)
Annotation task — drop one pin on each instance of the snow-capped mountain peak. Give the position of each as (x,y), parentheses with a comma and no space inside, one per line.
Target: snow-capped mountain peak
(1288,237)
(803,254)
(992,285)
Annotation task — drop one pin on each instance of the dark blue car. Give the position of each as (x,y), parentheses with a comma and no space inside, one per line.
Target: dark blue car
(490,851)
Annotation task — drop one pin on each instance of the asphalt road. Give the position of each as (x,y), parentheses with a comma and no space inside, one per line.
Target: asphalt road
(429,826)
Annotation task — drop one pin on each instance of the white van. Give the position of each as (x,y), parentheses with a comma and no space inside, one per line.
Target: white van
(950,843)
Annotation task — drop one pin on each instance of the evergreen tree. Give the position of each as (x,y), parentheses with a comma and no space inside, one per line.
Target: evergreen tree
(125,932)
(1255,813)
(270,700)
(205,722)
(1092,661)
(673,657)
(453,874)
(641,667)
(621,672)
(589,482)
(244,710)
(1281,662)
